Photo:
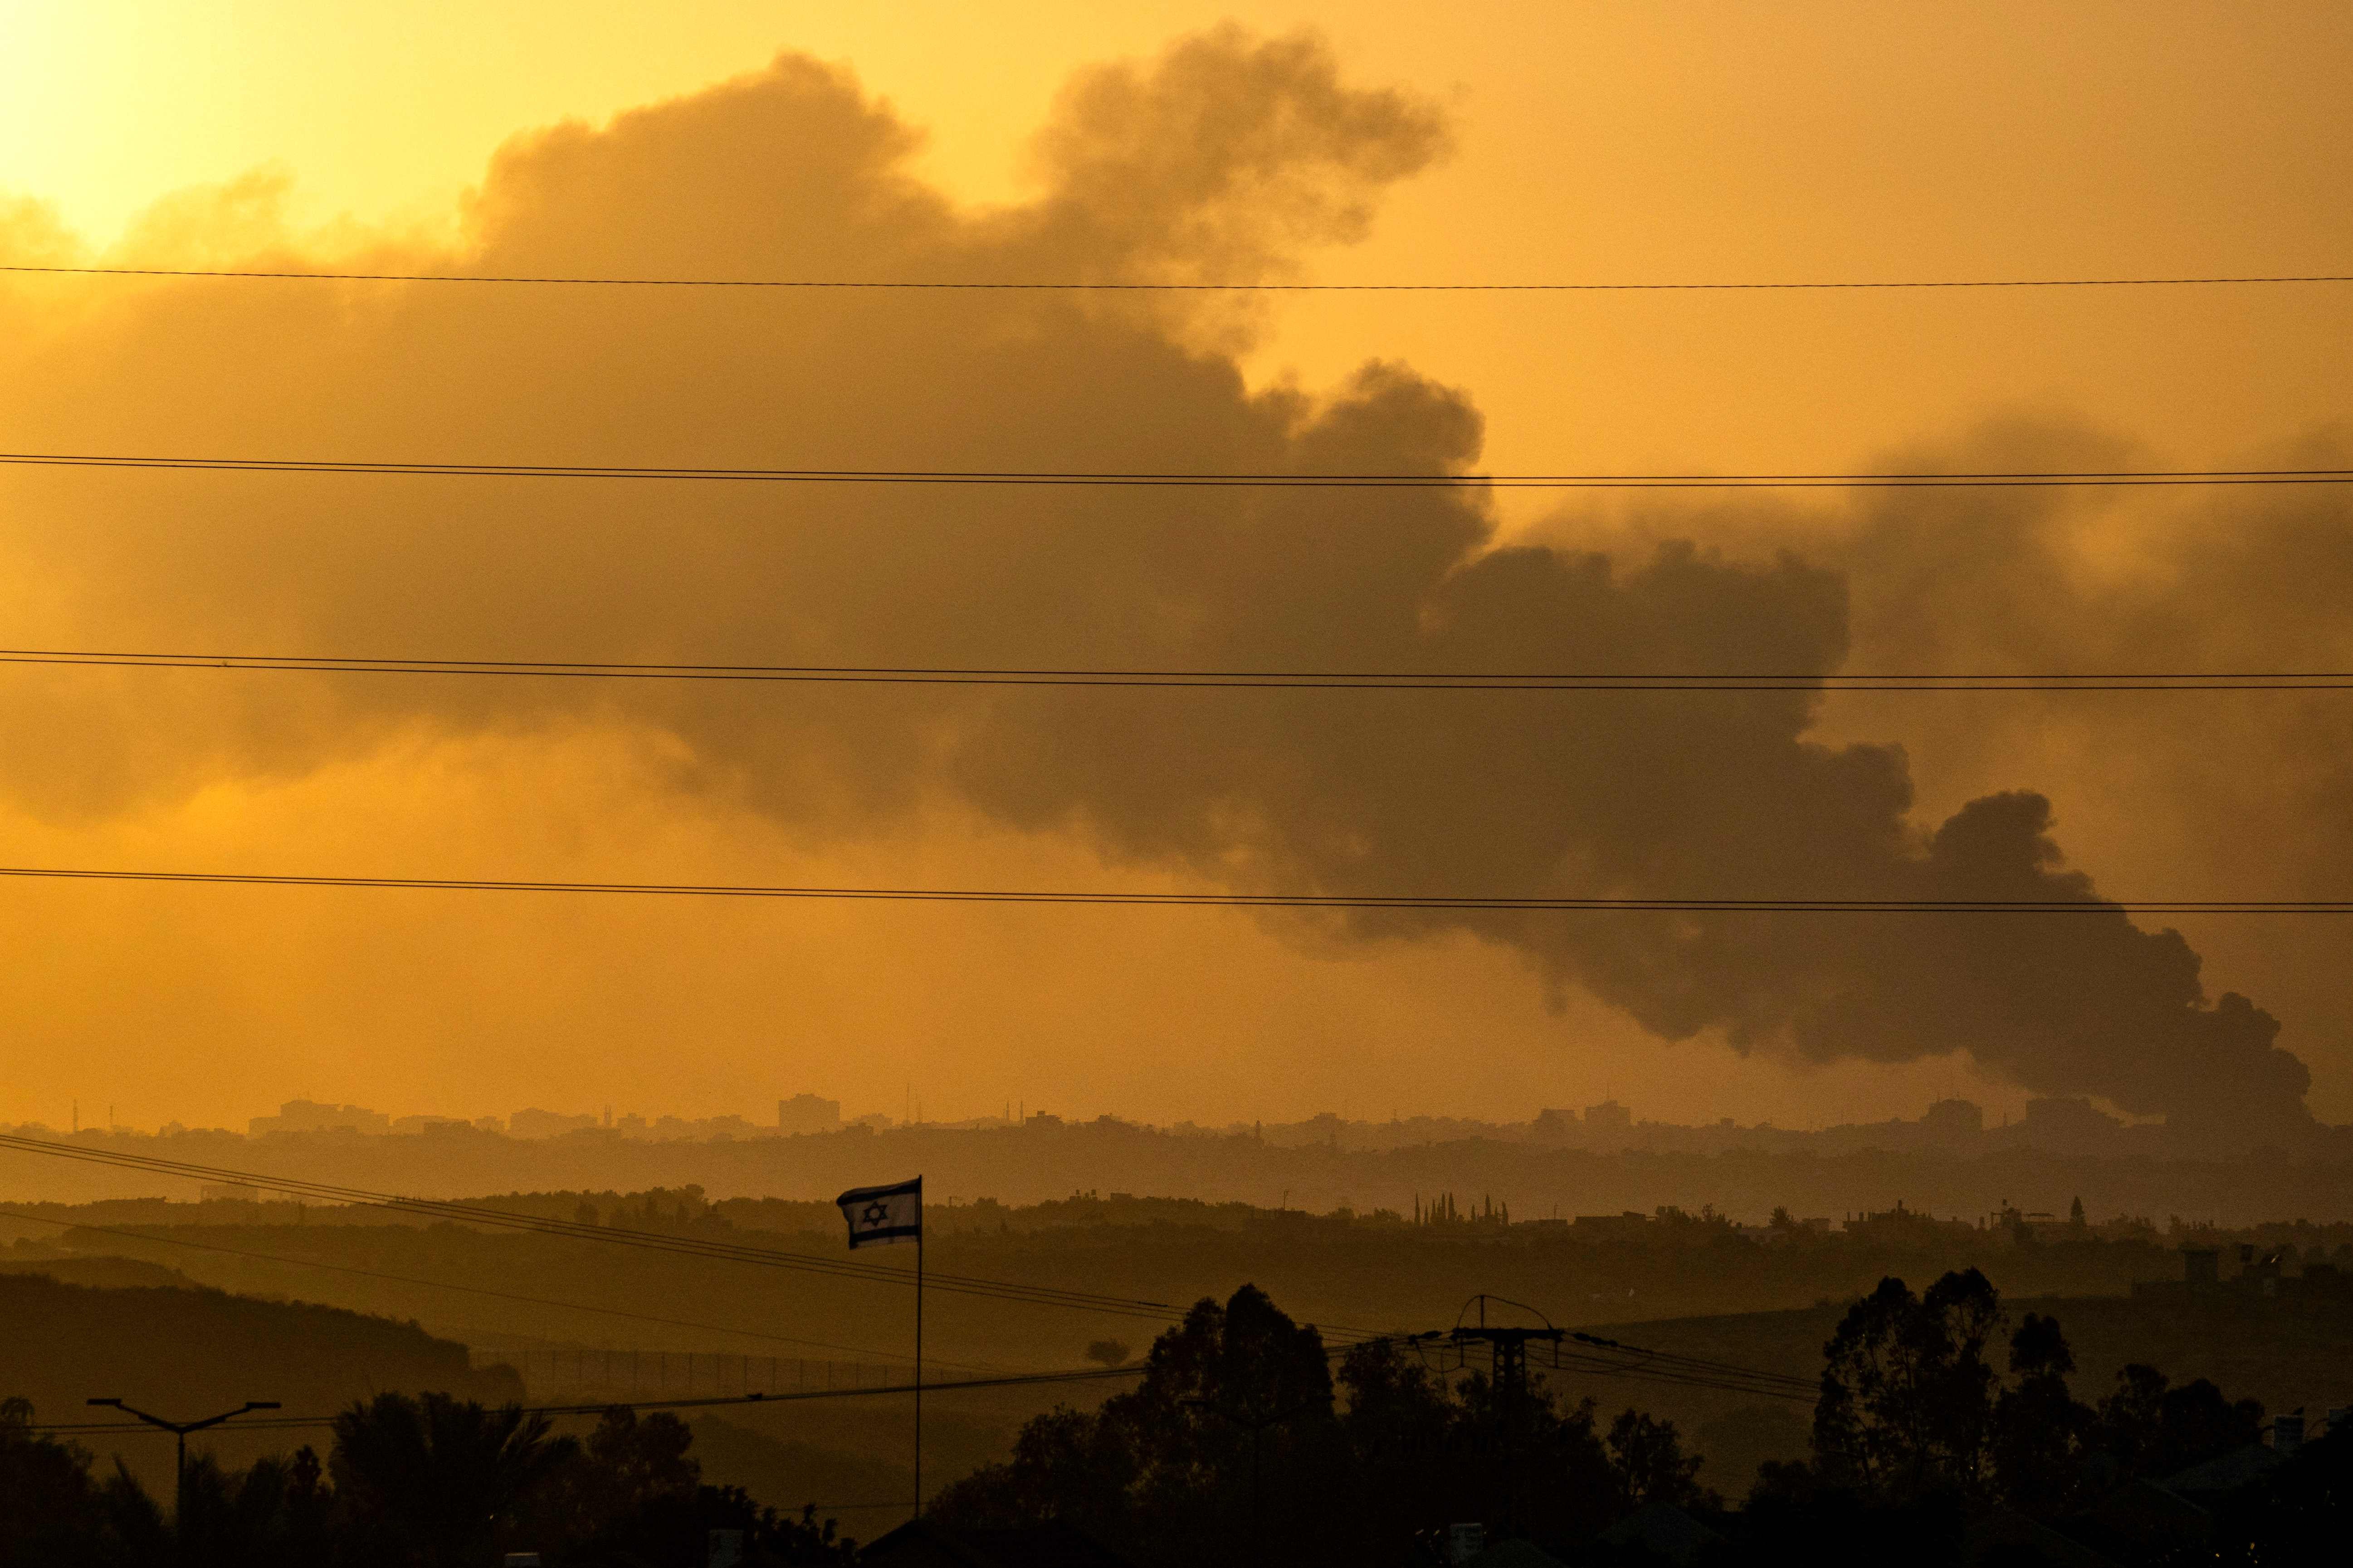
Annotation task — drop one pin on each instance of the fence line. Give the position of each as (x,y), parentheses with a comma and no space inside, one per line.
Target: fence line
(652,1373)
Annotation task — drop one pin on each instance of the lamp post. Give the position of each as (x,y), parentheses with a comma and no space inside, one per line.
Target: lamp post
(180,1430)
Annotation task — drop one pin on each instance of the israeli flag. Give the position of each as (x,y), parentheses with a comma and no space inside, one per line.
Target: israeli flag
(884,1216)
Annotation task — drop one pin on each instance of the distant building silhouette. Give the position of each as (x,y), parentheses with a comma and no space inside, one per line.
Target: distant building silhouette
(537,1123)
(807,1113)
(1954,1121)
(430,1123)
(1608,1127)
(2262,1274)
(2071,1124)
(310,1116)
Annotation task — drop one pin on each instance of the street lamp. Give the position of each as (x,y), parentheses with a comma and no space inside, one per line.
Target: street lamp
(180,1430)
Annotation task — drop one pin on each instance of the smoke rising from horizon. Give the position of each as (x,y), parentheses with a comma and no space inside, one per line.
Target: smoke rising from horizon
(1219,160)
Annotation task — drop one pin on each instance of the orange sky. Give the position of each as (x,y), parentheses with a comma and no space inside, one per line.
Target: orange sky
(1587,142)
(1600,142)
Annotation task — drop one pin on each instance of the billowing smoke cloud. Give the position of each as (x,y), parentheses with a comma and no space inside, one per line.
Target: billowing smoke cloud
(1219,160)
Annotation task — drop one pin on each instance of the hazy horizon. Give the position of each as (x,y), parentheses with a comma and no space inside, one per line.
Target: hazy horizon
(764,1119)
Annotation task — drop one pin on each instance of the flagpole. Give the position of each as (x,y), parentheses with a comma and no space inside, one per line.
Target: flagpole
(919,1360)
(878,1216)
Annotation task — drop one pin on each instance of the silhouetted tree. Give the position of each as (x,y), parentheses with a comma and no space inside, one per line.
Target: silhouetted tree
(1399,1415)
(1239,1392)
(425,1482)
(1536,1469)
(2297,1513)
(2039,1430)
(1648,1458)
(1235,1405)
(274,1512)
(627,1466)
(49,1507)
(673,1530)
(2154,1429)
(1906,1396)
(635,1460)
(430,1479)
(131,1524)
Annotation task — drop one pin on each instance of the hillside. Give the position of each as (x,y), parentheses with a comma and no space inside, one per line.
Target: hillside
(185,1352)
(498,1288)
(1044,1159)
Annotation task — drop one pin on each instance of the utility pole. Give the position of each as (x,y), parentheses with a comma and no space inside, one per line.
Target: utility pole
(1507,1351)
(1507,1347)
(180,1430)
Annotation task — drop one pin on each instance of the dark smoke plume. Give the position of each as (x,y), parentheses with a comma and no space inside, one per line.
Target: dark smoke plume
(1219,160)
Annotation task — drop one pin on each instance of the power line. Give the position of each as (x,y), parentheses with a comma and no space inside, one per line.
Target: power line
(689,1245)
(1596,1356)
(1508,1345)
(1632,1363)
(1212,680)
(1979,480)
(1010,1380)
(943,285)
(1494,903)
(69,1224)
(1751,1382)
(1681,1366)
(1701,1364)
(1765,1386)
(1652,1366)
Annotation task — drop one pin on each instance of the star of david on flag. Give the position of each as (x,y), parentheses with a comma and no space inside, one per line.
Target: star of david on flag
(884,1216)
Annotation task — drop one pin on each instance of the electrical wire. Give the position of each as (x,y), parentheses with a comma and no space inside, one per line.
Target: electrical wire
(1702,1363)
(1012,1380)
(1210,679)
(942,284)
(70,1225)
(1634,1365)
(1496,903)
(1988,478)
(1654,1365)
(698,1247)
(1651,1365)
(1091,1375)
(1753,1387)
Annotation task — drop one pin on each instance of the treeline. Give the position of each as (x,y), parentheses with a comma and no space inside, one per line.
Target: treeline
(1938,1423)
(690,1209)
(1243,1444)
(1325,1268)
(408,1482)
(1039,1162)
(1941,1434)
